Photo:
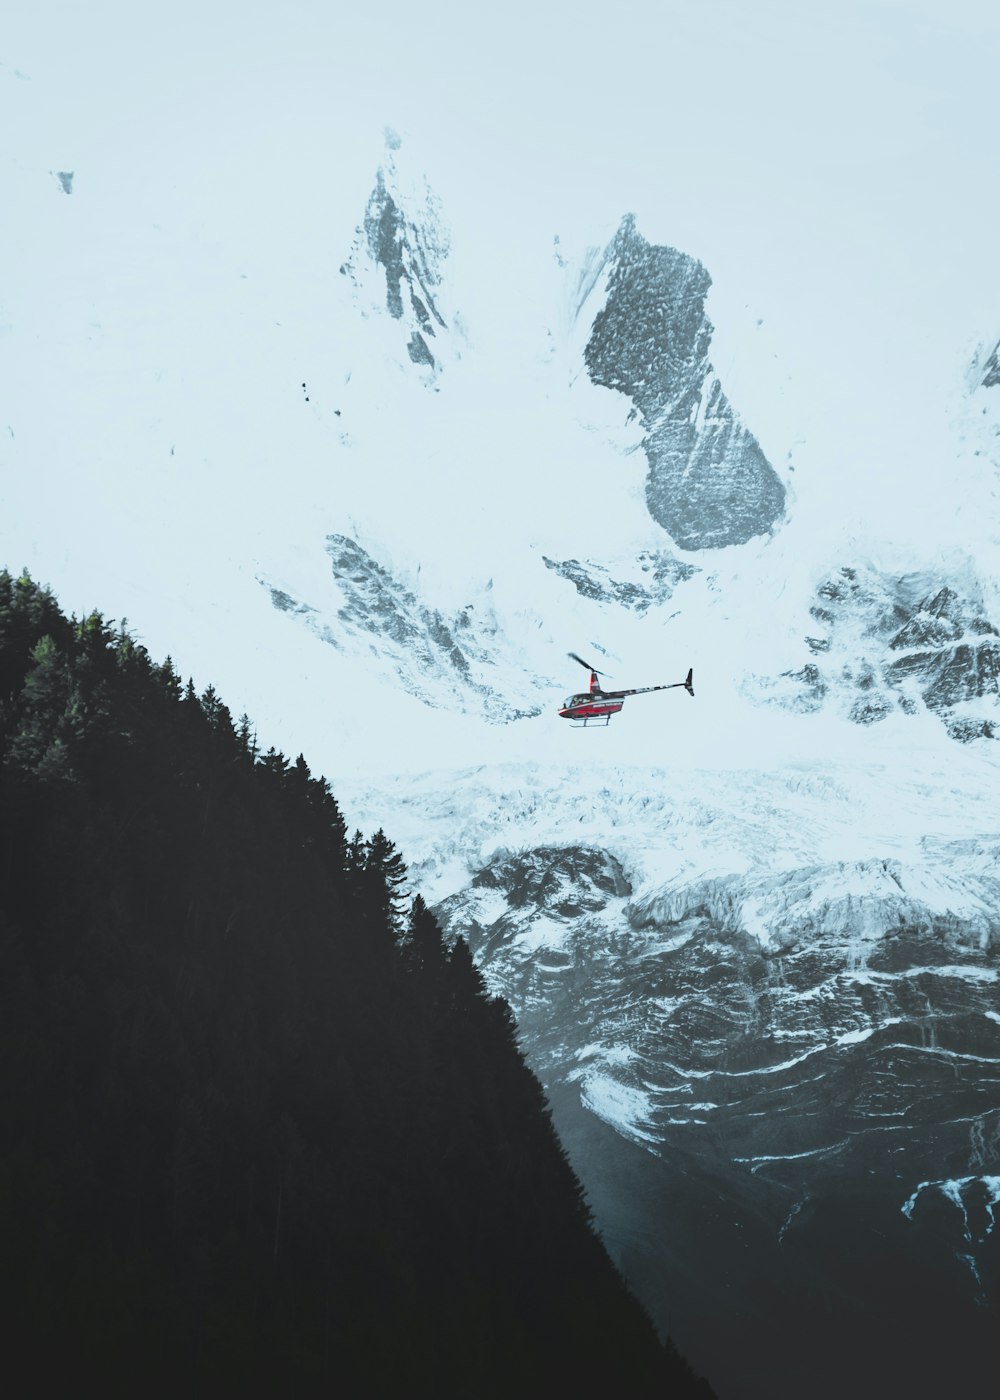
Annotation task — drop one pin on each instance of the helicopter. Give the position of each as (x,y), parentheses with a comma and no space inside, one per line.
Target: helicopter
(596,706)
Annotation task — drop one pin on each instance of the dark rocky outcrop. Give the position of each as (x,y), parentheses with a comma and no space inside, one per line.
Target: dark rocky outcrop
(408,252)
(709,484)
(990,375)
(661,575)
(891,643)
(447,661)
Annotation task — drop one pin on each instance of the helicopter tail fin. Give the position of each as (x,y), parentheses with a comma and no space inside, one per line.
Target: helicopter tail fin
(689,683)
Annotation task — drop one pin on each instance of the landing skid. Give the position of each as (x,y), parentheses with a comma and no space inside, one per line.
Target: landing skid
(595,722)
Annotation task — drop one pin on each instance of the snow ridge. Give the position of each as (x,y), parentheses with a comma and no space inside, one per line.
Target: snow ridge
(409,253)
(454,662)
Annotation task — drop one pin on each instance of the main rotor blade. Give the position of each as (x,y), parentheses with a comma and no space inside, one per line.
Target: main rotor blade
(585,664)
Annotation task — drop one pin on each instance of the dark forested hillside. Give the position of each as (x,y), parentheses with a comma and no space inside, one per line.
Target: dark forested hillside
(262,1131)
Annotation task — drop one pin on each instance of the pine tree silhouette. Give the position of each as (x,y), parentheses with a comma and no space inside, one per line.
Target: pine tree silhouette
(263,1133)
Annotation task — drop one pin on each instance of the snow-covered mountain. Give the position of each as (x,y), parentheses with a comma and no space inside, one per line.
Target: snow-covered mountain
(765,1007)
(752,944)
(751,939)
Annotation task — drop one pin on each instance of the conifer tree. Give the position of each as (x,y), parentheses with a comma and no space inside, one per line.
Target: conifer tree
(424,947)
(385,866)
(44,733)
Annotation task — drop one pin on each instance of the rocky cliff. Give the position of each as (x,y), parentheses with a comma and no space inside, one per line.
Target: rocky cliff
(709,484)
(397,259)
(459,661)
(800,1073)
(883,644)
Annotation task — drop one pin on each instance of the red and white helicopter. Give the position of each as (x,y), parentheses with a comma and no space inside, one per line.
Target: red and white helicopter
(596,706)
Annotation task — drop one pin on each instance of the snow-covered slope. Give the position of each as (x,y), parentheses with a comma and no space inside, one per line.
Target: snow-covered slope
(461,661)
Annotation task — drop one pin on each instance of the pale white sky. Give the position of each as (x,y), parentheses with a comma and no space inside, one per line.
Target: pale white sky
(817,159)
(719,110)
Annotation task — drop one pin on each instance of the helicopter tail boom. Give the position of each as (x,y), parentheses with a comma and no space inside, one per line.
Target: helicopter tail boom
(687,684)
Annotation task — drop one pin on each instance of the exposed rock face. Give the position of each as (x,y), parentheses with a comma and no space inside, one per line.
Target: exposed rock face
(709,483)
(408,254)
(448,662)
(887,643)
(661,575)
(990,374)
(781,1093)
